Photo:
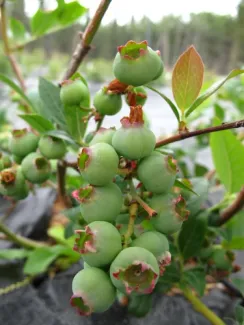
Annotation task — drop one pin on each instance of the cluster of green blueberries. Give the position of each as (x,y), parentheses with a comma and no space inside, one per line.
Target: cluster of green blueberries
(112,265)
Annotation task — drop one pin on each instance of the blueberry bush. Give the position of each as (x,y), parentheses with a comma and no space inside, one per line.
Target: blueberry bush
(135,212)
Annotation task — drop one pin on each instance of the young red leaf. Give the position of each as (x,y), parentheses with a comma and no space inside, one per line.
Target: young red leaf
(187,78)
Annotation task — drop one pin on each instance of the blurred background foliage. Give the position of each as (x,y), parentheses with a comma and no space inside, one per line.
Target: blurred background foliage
(218,38)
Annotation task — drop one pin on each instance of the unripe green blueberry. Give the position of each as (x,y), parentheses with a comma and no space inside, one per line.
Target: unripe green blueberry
(133,140)
(36,168)
(99,243)
(73,92)
(160,71)
(23,142)
(5,162)
(92,291)
(99,203)
(107,102)
(157,172)
(222,259)
(140,96)
(171,213)
(135,270)
(103,136)
(18,159)
(51,147)
(98,164)
(12,183)
(136,64)
(157,244)
(86,265)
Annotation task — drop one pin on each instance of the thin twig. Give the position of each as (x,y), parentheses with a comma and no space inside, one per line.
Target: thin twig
(20,240)
(84,46)
(182,136)
(99,123)
(133,213)
(233,209)
(61,177)
(142,203)
(7,49)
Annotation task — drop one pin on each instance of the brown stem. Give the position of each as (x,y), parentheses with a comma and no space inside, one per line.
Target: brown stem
(7,49)
(71,164)
(61,172)
(182,136)
(235,207)
(84,46)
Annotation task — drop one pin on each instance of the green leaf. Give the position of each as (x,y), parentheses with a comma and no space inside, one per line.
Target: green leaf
(184,185)
(235,231)
(40,259)
(17,29)
(212,90)
(239,284)
(49,94)
(38,122)
(171,104)
(16,88)
(195,278)
(192,235)
(74,119)
(61,135)
(228,157)
(11,253)
(200,170)
(219,111)
(239,314)
(42,21)
(187,78)
(139,306)
(73,214)
(70,12)
(169,278)
(57,233)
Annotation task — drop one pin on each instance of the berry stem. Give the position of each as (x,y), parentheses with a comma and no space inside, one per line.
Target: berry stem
(61,173)
(182,136)
(139,200)
(133,213)
(84,47)
(17,239)
(201,308)
(99,123)
(7,50)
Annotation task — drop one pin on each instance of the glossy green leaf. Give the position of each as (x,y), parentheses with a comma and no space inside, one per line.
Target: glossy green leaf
(168,101)
(192,235)
(17,29)
(195,278)
(212,90)
(200,170)
(16,88)
(184,185)
(61,135)
(12,253)
(219,111)
(42,21)
(75,123)
(49,94)
(38,122)
(70,12)
(228,157)
(235,231)
(187,78)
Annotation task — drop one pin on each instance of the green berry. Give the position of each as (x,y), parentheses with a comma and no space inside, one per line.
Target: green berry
(18,159)
(136,64)
(135,270)
(222,259)
(13,184)
(157,172)
(51,147)
(74,93)
(171,213)
(157,244)
(99,243)
(5,162)
(140,96)
(103,136)
(133,140)
(92,291)
(23,142)
(36,168)
(100,203)
(160,71)
(98,164)
(107,103)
